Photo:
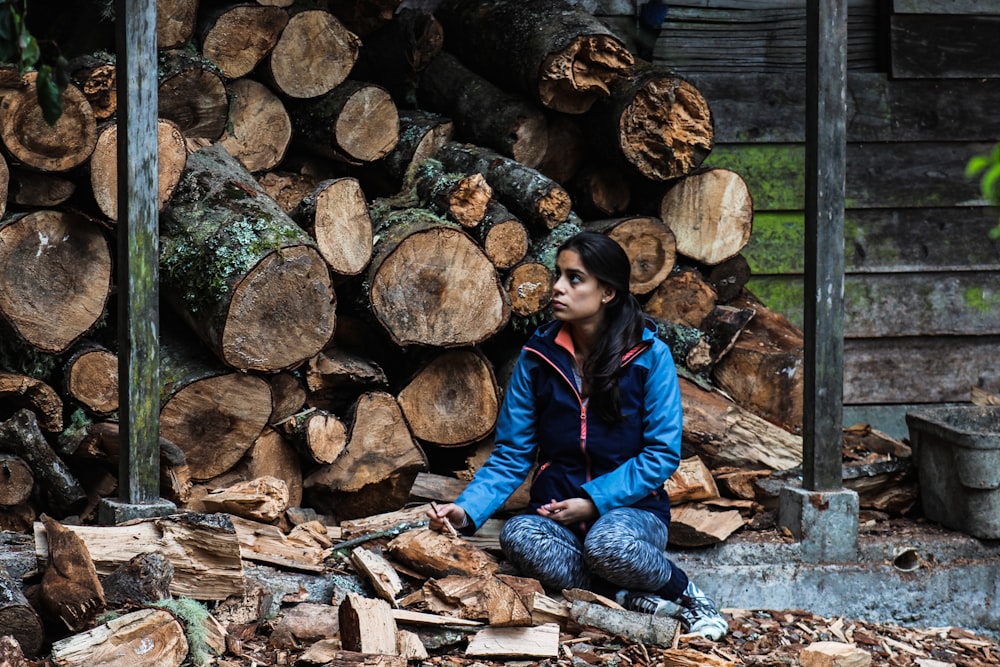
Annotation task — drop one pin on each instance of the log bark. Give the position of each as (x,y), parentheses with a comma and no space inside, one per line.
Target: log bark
(192,93)
(70,589)
(31,141)
(56,277)
(376,471)
(600,191)
(656,122)
(421,134)
(59,488)
(503,237)
(461,198)
(453,400)
(213,414)
(90,378)
(238,36)
(239,271)
(649,244)
(96,77)
(710,214)
(171,158)
(319,436)
(553,51)
(431,284)
(175,22)
(18,618)
(314,55)
(259,130)
(21,391)
(336,214)
(144,580)
(153,634)
(356,122)
(16,480)
(532,197)
(484,114)
(683,297)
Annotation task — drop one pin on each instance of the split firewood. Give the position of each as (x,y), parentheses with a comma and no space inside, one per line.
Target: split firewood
(336,214)
(203,548)
(739,483)
(151,633)
(237,37)
(409,646)
(330,656)
(60,489)
(545,609)
(19,619)
(259,130)
(305,623)
(695,525)
(22,391)
(357,122)
(436,555)
(506,598)
(484,114)
(367,625)
(103,166)
(376,470)
(379,573)
(503,237)
(70,588)
(723,433)
(30,140)
(531,196)
(643,628)
(264,543)
(385,523)
(452,400)
(262,499)
(90,377)
(175,22)
(723,326)
(192,93)
(573,595)
(525,642)
(313,55)
(144,580)
(689,657)
(430,620)
(461,198)
(455,299)
(979,396)
(63,280)
(683,297)
(229,289)
(567,62)
(649,244)
(710,214)
(834,654)
(691,481)
(459,596)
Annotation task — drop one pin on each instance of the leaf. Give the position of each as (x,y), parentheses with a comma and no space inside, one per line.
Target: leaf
(989,184)
(976,165)
(49,96)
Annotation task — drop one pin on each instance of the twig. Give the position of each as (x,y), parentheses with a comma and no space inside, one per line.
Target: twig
(447,524)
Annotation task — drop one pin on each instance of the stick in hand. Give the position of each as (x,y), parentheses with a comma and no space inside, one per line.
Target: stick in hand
(447,524)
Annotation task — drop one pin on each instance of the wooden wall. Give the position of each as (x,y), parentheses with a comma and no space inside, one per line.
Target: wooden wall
(922,290)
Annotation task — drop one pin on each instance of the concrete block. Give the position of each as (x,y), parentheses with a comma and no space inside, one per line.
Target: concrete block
(824,522)
(112,511)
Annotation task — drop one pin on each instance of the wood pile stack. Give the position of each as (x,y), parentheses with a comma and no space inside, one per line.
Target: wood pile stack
(359,206)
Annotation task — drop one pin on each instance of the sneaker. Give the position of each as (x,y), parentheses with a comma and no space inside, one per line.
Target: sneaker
(646,603)
(698,614)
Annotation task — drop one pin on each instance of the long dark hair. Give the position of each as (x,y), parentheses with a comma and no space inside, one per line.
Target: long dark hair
(621,328)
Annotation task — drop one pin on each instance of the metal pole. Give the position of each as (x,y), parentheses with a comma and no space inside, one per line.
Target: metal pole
(826,140)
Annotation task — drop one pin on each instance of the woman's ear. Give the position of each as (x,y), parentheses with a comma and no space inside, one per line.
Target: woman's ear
(609,294)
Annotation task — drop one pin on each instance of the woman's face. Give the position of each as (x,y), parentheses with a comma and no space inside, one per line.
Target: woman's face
(577,296)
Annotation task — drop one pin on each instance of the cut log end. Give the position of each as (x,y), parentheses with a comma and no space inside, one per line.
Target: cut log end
(368,126)
(529,287)
(506,243)
(651,249)
(314,54)
(710,214)
(582,73)
(92,379)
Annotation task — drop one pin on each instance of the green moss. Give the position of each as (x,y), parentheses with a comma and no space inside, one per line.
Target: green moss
(774,173)
(784,295)
(981,299)
(73,435)
(193,616)
(777,244)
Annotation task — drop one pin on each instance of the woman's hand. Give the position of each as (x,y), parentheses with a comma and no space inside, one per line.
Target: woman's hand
(569,511)
(439,514)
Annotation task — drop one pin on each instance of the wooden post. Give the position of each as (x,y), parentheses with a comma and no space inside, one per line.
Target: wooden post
(138,262)
(826,135)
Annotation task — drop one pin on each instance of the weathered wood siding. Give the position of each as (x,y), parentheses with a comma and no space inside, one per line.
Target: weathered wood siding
(922,290)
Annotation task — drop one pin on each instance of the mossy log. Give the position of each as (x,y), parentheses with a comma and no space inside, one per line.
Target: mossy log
(19,619)
(554,51)
(239,271)
(59,488)
(463,198)
(430,283)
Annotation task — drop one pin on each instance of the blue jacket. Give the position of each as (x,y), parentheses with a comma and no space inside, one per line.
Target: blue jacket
(581,456)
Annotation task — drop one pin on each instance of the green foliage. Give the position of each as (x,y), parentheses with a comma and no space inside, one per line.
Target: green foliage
(20,48)
(987,169)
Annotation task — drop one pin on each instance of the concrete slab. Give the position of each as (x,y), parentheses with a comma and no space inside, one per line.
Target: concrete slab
(112,511)
(824,522)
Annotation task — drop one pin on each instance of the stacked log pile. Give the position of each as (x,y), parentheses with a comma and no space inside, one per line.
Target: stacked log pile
(360,204)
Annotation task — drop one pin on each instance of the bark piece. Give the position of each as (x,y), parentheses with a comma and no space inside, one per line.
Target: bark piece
(531,642)
(695,525)
(70,589)
(236,37)
(313,55)
(356,123)
(379,573)
(336,214)
(375,473)
(710,214)
(553,51)
(532,197)
(192,93)
(143,637)
(21,391)
(453,400)
(56,277)
(483,113)
(16,480)
(367,625)
(231,260)
(21,436)
(649,244)
(18,618)
(436,555)
(175,22)
(691,481)
(143,580)
(30,140)
(431,284)
(259,130)
(90,376)
(261,499)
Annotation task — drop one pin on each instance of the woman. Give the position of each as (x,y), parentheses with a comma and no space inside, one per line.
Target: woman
(594,399)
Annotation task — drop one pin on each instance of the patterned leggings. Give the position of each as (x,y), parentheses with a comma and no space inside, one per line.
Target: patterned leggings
(625,548)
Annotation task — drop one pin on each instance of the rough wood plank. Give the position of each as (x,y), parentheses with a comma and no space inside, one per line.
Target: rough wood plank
(531,642)
(379,572)
(126,641)
(264,543)
(421,618)
(935,46)
(691,481)
(367,625)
